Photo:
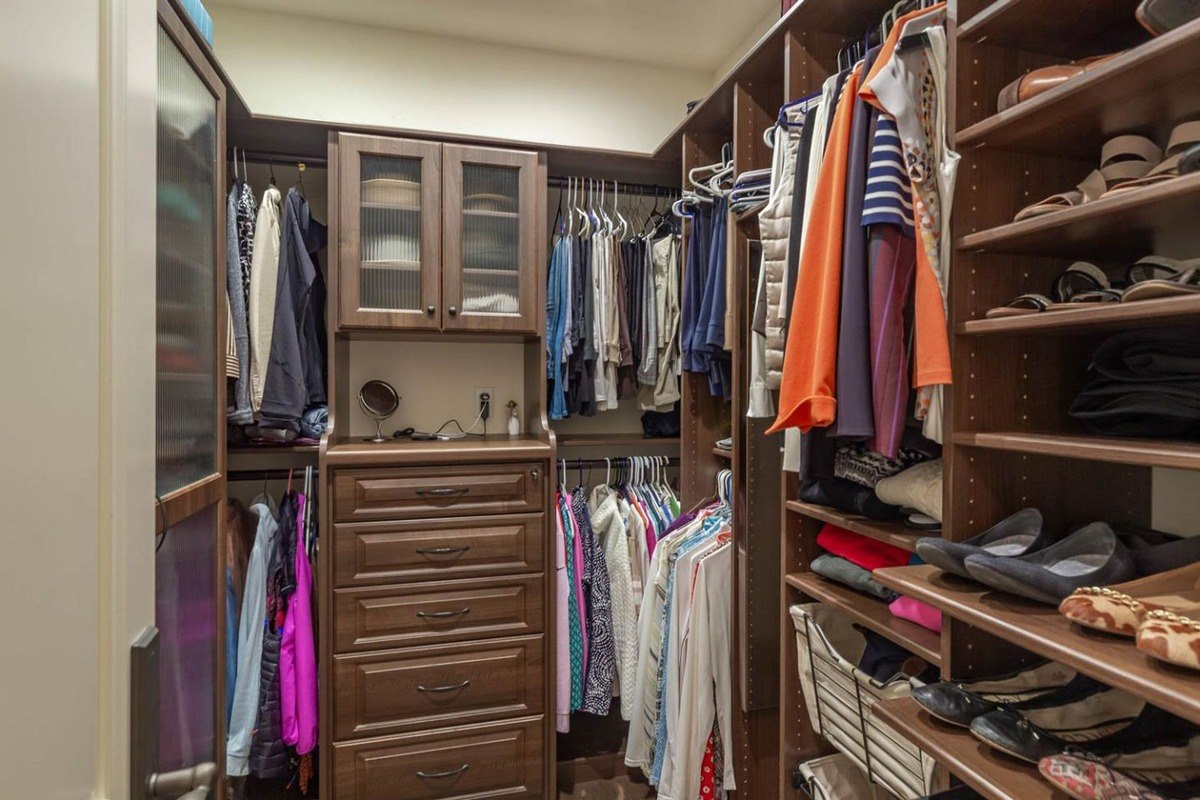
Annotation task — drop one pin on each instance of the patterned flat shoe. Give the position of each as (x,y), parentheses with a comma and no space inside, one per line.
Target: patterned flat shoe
(1172,636)
(1120,609)
(1090,780)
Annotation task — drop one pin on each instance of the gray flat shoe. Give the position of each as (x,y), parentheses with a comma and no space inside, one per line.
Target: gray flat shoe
(1017,535)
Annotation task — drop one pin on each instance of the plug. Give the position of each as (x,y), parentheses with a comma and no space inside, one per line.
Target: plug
(485,404)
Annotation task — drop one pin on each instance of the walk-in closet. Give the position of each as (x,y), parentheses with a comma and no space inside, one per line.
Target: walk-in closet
(691,400)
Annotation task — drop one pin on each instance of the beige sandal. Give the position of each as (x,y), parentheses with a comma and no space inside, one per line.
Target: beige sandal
(1122,159)
(1185,136)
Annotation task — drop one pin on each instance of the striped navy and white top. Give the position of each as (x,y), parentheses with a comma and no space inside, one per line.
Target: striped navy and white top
(889,191)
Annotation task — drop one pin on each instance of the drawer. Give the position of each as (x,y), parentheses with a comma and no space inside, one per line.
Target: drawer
(438,491)
(431,687)
(387,552)
(492,760)
(431,613)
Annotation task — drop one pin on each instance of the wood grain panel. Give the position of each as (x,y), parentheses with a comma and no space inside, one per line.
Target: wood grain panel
(428,687)
(444,611)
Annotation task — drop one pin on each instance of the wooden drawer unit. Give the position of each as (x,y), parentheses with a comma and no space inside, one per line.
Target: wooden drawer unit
(443,611)
(370,553)
(431,687)
(438,491)
(491,760)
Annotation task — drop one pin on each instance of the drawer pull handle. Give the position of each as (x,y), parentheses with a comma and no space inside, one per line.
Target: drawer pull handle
(450,773)
(442,551)
(443,614)
(444,491)
(454,688)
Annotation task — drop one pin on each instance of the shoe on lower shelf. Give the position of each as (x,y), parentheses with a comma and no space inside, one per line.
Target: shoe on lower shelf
(960,702)
(1120,609)
(1016,535)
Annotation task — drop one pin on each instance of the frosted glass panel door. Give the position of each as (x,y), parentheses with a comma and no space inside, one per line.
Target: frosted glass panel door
(490,263)
(390,201)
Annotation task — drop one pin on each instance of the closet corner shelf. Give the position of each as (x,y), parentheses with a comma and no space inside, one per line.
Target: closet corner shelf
(1114,450)
(253,457)
(1124,224)
(1055,28)
(1042,630)
(1145,90)
(992,774)
(870,613)
(1084,318)
(893,533)
(722,453)
(748,219)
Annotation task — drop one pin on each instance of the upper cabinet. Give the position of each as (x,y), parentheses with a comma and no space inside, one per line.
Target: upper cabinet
(436,237)
(489,248)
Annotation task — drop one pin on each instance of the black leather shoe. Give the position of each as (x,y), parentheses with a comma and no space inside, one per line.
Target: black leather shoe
(1017,535)
(959,703)
(957,793)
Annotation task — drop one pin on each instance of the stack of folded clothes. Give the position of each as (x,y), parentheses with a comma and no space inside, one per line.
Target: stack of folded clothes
(850,558)
(1146,384)
(870,485)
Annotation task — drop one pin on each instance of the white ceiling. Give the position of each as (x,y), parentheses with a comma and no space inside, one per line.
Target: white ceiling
(691,34)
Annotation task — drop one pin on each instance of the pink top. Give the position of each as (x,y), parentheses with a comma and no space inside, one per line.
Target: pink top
(297,655)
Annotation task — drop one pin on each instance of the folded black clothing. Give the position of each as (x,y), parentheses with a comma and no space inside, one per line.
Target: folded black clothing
(848,496)
(1161,354)
(1153,410)
(881,658)
(661,424)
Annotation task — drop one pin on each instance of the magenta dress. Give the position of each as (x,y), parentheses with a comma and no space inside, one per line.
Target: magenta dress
(298,656)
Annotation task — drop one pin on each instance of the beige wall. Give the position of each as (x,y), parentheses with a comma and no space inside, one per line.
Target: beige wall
(317,69)
(77,316)
(735,55)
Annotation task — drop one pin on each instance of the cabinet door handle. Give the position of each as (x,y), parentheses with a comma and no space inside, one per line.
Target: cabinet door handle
(450,773)
(444,614)
(453,311)
(454,688)
(430,310)
(443,491)
(442,551)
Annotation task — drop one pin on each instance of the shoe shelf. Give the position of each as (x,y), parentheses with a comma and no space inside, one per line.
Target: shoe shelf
(1146,90)
(893,533)
(992,774)
(1125,224)
(1114,450)
(1042,630)
(1085,318)
(1090,28)
(871,613)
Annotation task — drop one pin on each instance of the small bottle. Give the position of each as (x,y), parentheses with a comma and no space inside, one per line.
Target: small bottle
(514,424)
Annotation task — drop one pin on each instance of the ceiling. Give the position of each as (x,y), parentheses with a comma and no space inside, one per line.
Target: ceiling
(689,34)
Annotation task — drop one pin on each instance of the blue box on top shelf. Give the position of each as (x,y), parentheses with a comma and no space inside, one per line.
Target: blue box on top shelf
(200,18)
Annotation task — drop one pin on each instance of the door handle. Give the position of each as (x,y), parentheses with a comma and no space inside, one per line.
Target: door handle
(443,614)
(450,773)
(439,689)
(442,551)
(443,491)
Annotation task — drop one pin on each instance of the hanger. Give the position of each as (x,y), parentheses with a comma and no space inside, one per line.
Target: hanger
(300,179)
(271,169)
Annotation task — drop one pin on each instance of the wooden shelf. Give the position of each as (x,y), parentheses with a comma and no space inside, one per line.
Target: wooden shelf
(369,205)
(1085,318)
(486,213)
(1121,225)
(893,533)
(1054,28)
(1042,630)
(987,771)
(871,613)
(615,440)
(249,458)
(1146,90)
(722,453)
(1114,450)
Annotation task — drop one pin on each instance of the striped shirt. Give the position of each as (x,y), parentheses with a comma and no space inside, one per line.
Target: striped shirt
(889,192)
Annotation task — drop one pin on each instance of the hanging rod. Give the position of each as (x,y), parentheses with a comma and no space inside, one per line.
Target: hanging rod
(636,188)
(282,159)
(247,475)
(671,461)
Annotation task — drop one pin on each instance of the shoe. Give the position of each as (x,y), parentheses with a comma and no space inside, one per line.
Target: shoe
(1037,81)
(959,703)
(1157,756)
(1084,779)
(919,488)
(1091,556)
(1172,636)
(957,793)
(1120,609)
(1160,16)
(1122,159)
(1016,535)
(1080,713)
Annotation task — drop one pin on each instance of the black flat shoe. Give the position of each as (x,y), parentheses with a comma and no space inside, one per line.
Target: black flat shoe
(958,703)
(957,793)
(1018,535)
(1091,556)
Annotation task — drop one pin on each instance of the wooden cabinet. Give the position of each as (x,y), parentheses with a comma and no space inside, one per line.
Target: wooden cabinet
(435,237)
(441,491)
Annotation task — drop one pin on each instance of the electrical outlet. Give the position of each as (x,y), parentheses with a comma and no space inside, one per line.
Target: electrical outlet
(484,397)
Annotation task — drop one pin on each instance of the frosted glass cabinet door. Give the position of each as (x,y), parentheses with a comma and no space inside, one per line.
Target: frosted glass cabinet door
(490,256)
(389,194)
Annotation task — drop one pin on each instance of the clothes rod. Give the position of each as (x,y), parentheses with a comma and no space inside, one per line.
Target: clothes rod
(634,188)
(248,475)
(282,159)
(661,461)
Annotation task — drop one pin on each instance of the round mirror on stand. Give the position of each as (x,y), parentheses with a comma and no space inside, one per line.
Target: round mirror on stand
(378,400)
